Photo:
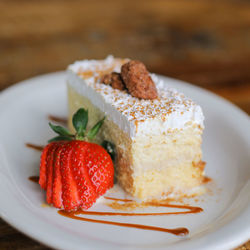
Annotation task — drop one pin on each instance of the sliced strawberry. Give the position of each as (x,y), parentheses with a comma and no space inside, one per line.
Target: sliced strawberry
(43,165)
(50,171)
(76,172)
(86,190)
(100,168)
(57,182)
(69,189)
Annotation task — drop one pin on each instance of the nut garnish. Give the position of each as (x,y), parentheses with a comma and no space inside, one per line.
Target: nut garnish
(138,81)
(114,80)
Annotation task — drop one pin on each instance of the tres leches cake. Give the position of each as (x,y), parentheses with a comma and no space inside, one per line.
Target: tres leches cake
(156,130)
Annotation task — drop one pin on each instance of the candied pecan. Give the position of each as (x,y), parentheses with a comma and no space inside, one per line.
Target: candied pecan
(106,79)
(138,81)
(114,80)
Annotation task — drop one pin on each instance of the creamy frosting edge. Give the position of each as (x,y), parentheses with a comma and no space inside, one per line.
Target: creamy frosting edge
(184,112)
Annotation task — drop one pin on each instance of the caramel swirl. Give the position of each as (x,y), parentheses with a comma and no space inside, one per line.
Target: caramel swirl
(176,231)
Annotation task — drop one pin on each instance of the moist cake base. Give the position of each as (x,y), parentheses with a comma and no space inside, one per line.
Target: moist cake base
(150,167)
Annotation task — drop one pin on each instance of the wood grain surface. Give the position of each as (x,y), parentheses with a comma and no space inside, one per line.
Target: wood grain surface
(204,42)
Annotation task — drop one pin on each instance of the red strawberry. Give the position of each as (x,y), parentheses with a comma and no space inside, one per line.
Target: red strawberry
(43,164)
(75,173)
(69,188)
(50,171)
(86,190)
(57,180)
(100,168)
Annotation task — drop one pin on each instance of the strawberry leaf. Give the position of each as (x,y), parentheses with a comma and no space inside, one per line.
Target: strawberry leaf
(80,121)
(60,138)
(93,131)
(60,130)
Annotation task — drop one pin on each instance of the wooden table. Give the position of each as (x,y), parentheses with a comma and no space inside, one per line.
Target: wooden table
(204,42)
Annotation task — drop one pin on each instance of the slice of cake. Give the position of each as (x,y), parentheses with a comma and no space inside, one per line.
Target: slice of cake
(156,130)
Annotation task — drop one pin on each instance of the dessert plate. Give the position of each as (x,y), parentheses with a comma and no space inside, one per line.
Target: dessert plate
(224,223)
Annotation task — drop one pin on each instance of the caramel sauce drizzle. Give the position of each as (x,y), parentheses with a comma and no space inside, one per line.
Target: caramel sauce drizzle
(117,199)
(162,203)
(58,119)
(34,146)
(189,209)
(34,179)
(176,231)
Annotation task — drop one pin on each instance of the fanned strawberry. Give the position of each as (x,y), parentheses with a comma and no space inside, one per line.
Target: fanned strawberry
(50,170)
(76,173)
(100,168)
(69,194)
(86,190)
(43,164)
(57,180)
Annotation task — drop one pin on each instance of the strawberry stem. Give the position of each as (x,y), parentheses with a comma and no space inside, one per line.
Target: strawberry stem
(80,121)
(95,129)
(80,138)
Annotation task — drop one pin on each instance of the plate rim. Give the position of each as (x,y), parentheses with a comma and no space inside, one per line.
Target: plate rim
(30,81)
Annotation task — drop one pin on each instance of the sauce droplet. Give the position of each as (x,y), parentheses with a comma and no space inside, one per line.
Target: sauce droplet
(34,179)
(34,146)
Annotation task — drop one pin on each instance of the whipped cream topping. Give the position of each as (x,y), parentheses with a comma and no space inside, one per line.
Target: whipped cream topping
(171,110)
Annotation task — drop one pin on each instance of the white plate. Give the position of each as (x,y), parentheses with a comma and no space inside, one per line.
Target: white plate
(224,224)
